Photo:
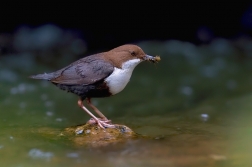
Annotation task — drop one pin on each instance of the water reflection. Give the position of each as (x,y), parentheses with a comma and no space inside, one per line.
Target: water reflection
(38,154)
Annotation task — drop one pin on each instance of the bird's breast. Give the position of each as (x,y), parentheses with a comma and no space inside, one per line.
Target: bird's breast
(118,80)
(121,76)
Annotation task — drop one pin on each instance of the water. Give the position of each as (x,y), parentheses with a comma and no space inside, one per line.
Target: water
(191,110)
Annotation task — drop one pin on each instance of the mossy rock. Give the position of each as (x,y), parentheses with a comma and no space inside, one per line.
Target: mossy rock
(95,136)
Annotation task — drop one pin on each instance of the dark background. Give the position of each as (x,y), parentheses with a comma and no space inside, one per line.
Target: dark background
(106,25)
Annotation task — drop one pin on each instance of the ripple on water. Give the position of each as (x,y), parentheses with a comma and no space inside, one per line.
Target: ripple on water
(59,119)
(49,113)
(72,155)
(204,117)
(38,154)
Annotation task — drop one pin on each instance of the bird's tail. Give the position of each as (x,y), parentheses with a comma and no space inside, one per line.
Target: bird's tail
(44,76)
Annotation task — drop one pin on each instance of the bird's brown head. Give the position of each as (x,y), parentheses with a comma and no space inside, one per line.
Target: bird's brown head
(126,53)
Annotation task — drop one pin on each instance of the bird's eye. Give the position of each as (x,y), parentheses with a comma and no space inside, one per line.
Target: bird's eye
(133,53)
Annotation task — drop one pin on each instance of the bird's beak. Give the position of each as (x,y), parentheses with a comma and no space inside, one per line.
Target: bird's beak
(151,58)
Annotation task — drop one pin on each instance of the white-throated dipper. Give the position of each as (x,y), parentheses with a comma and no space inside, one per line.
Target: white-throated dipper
(99,75)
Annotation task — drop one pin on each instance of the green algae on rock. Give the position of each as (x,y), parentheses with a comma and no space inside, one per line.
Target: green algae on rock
(95,136)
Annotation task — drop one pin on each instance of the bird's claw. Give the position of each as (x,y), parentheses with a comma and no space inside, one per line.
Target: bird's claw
(101,122)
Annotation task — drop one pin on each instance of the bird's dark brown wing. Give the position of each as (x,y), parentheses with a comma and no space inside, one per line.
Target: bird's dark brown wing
(85,71)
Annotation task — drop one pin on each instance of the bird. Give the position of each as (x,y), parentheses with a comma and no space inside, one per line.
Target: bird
(99,75)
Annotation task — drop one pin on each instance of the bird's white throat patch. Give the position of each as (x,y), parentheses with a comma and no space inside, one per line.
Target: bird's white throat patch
(120,77)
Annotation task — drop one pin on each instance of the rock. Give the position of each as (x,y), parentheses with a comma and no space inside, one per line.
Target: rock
(94,136)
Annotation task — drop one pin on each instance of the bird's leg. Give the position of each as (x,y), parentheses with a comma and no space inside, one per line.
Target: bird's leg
(96,110)
(101,123)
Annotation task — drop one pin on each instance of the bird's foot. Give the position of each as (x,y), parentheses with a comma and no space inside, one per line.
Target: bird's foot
(93,121)
(101,122)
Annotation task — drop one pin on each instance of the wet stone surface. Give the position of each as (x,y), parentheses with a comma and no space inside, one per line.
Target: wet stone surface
(94,136)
